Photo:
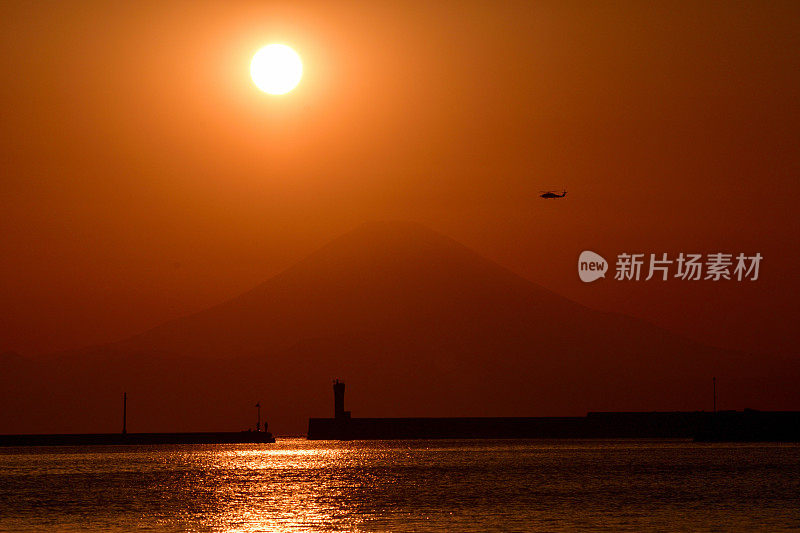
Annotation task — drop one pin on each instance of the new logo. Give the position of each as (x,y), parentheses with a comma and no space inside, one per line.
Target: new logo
(591,266)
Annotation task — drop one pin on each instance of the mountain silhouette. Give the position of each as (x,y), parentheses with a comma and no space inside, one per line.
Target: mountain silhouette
(416,324)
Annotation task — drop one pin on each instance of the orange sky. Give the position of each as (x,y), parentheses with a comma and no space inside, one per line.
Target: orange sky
(144,176)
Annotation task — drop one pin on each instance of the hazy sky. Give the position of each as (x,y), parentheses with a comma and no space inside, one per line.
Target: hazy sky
(144,176)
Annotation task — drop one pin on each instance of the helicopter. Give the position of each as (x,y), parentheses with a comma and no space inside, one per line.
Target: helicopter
(550,194)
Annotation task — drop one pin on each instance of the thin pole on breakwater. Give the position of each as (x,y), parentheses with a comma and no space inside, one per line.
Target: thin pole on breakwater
(124,413)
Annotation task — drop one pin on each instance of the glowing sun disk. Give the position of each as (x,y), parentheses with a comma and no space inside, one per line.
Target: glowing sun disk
(276,69)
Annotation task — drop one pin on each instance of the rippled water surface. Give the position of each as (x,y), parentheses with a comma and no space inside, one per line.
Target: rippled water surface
(298,485)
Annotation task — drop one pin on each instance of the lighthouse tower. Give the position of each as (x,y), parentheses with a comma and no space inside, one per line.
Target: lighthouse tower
(338,401)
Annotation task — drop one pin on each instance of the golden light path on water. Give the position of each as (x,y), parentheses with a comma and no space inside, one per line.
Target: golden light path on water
(247,497)
(258,505)
(303,488)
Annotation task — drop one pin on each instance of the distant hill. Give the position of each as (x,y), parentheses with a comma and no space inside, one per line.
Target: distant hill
(414,322)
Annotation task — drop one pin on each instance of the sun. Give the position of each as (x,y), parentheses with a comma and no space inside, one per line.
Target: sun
(276,69)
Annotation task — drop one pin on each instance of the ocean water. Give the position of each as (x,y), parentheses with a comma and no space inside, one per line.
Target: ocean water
(463,486)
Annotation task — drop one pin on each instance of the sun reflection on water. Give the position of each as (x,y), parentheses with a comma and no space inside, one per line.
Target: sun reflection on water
(270,489)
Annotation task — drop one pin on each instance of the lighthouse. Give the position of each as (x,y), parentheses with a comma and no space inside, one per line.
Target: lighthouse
(338,401)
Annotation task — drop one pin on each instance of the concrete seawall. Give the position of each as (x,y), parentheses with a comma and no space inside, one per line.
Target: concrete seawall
(89,439)
(745,425)
(594,425)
